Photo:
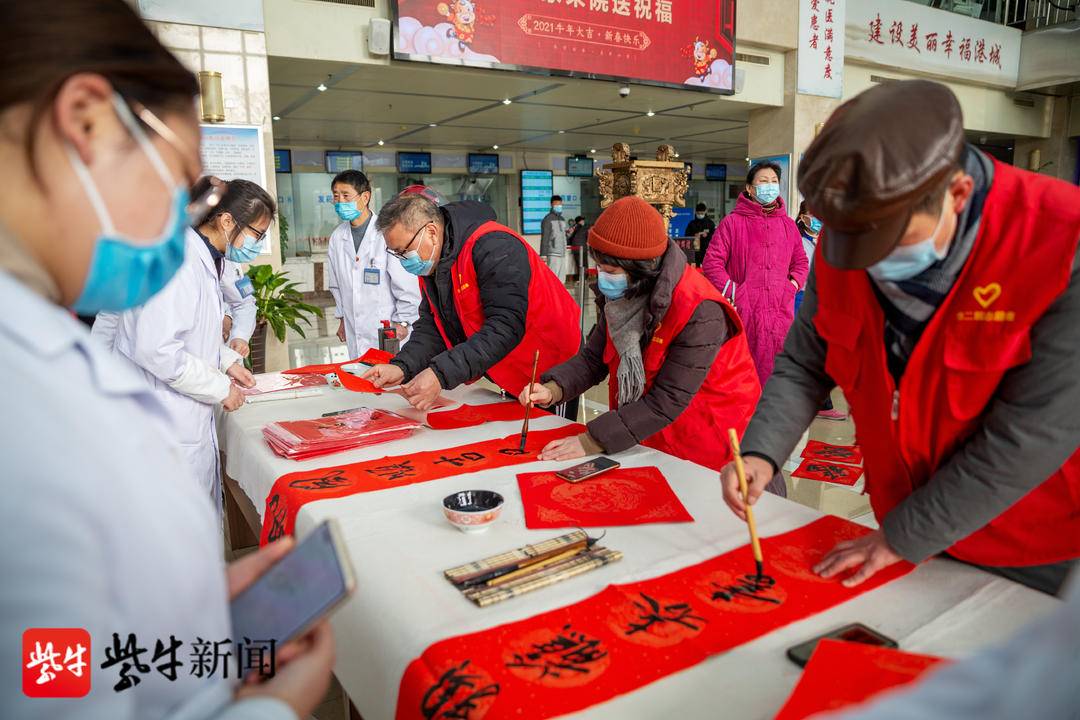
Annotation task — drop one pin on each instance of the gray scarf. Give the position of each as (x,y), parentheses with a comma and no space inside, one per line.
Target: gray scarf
(626,324)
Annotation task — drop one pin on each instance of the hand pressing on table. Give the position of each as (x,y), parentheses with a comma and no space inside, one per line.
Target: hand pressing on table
(563,449)
(423,390)
(384,375)
(540,395)
(758,474)
(303,666)
(870,553)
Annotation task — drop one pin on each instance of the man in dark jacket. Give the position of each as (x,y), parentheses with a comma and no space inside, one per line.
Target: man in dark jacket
(701,228)
(487,329)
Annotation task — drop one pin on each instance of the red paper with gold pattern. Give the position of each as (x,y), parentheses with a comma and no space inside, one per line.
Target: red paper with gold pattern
(841,674)
(470,415)
(627,636)
(623,496)
(291,491)
(811,469)
(817,450)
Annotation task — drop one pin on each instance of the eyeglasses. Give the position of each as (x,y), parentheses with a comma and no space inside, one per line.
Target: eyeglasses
(198,208)
(259,234)
(401,255)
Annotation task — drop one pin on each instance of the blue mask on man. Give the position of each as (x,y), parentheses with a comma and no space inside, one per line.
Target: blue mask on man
(766,193)
(908,261)
(612,285)
(125,273)
(346,210)
(413,263)
(815,225)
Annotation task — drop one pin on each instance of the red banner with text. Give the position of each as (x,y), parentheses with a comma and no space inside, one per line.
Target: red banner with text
(679,42)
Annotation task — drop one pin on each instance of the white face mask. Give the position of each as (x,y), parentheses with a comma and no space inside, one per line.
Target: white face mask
(700,216)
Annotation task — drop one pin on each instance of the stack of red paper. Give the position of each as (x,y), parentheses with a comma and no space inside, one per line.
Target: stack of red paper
(301,439)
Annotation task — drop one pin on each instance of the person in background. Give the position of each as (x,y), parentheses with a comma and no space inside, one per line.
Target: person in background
(672,348)
(103,526)
(367,286)
(553,235)
(701,228)
(175,337)
(945,304)
(810,229)
(489,302)
(579,237)
(758,249)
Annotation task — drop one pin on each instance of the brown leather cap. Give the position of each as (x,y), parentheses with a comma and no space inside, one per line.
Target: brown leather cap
(876,157)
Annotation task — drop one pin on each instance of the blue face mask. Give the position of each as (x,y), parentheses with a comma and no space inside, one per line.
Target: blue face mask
(557,209)
(250,250)
(766,193)
(125,273)
(815,225)
(412,261)
(611,285)
(347,210)
(907,261)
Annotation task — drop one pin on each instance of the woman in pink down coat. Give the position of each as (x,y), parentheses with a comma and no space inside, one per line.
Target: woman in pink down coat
(757,249)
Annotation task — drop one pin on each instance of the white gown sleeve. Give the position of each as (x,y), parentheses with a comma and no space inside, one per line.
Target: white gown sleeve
(332,278)
(104,328)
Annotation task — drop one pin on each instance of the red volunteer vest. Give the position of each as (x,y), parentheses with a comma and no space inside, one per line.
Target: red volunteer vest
(727,396)
(552,322)
(1020,263)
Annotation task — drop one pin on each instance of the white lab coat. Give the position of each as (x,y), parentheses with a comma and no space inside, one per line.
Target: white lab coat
(364,306)
(101,524)
(175,339)
(241,308)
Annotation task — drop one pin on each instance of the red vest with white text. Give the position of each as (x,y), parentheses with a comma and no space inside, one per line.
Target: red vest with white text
(1021,262)
(728,395)
(552,322)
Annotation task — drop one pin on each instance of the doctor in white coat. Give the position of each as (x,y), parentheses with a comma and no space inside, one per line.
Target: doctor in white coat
(367,288)
(175,338)
(102,525)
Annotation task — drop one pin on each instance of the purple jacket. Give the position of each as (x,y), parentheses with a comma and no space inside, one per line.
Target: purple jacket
(761,252)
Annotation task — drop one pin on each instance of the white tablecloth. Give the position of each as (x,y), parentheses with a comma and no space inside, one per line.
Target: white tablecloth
(400,544)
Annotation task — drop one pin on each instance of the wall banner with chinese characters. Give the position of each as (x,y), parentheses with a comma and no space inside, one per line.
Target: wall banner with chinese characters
(821,47)
(908,36)
(686,43)
(628,636)
(293,490)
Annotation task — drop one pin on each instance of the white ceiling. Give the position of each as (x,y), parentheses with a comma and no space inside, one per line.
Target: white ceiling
(397,103)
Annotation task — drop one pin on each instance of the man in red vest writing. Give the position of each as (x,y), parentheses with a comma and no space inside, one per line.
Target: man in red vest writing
(488,301)
(945,303)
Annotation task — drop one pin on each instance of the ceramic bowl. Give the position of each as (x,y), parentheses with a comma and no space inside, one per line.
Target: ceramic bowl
(472,511)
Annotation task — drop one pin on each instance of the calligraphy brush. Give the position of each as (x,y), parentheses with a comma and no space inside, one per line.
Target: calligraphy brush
(759,562)
(528,406)
(528,563)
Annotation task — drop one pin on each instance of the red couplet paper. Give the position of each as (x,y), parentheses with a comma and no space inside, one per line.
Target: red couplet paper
(841,674)
(470,415)
(627,636)
(348,381)
(293,490)
(817,450)
(828,472)
(624,496)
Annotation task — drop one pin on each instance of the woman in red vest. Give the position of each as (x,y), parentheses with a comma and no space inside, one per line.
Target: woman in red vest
(679,370)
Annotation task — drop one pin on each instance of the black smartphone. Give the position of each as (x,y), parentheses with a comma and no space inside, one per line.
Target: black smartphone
(855,632)
(586,470)
(298,591)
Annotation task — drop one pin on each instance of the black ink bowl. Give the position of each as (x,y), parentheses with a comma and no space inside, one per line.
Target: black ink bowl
(472,511)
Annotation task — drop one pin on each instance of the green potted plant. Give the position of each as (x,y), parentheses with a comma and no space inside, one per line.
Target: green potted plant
(279,306)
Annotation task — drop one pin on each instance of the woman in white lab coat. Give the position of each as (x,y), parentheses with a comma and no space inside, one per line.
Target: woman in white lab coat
(102,526)
(367,288)
(175,338)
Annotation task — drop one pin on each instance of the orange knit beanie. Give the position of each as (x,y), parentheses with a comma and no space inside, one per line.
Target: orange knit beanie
(631,229)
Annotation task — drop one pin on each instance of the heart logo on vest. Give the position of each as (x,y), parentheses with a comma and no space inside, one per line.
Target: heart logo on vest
(987,294)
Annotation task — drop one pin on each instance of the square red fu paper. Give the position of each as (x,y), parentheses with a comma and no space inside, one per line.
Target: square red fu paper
(817,450)
(828,472)
(299,439)
(624,496)
(841,674)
